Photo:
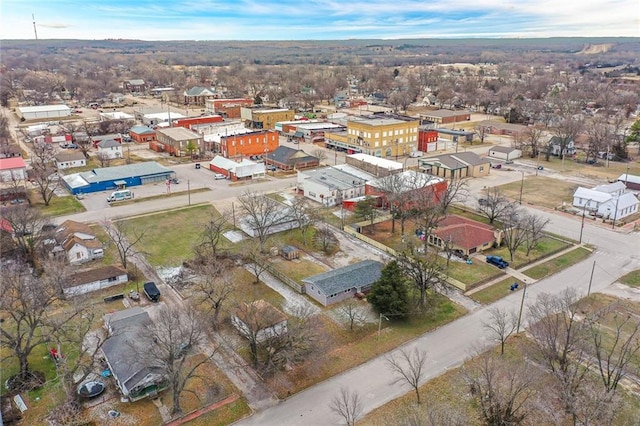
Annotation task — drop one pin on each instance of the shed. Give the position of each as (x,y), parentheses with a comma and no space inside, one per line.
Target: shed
(290,252)
(504,153)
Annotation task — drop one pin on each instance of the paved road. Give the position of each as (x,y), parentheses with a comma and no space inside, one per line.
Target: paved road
(448,346)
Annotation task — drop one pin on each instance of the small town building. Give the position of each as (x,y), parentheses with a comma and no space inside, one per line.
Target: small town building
(246,143)
(264,118)
(189,123)
(505,153)
(555,147)
(606,201)
(455,136)
(632,182)
(135,85)
(70,159)
(500,128)
(244,169)
(459,233)
(111,178)
(178,141)
(455,166)
(95,140)
(43,112)
(198,95)
(375,166)
(445,116)
(142,134)
(77,242)
(285,158)
(329,186)
(12,169)
(428,139)
(135,377)
(421,186)
(95,279)
(229,108)
(343,283)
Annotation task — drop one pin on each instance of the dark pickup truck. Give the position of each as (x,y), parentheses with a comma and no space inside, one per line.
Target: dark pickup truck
(151,291)
(497,261)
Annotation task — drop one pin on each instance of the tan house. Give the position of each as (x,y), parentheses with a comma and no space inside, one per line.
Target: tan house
(178,141)
(456,166)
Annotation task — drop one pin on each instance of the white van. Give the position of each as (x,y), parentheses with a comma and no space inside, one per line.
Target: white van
(416,154)
(121,195)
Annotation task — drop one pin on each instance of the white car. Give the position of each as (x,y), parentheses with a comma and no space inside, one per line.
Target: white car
(416,154)
(219,176)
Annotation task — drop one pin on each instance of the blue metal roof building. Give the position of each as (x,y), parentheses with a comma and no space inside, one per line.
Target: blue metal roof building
(107,178)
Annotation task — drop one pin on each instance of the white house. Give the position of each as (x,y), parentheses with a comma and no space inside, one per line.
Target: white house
(590,199)
(70,159)
(504,153)
(78,242)
(614,205)
(12,169)
(615,189)
(95,279)
(555,146)
(329,186)
(259,321)
(109,149)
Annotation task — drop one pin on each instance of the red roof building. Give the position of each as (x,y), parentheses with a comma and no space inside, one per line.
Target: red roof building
(464,234)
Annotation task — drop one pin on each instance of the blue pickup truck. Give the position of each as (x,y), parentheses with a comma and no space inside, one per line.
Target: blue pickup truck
(497,261)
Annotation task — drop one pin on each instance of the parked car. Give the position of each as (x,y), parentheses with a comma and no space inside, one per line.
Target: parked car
(496,166)
(497,261)
(483,201)
(175,180)
(219,176)
(151,291)
(416,154)
(272,168)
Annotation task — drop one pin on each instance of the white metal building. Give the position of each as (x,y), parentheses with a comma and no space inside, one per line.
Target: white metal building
(43,112)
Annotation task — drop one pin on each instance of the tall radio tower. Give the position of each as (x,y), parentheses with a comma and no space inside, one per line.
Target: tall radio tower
(34,26)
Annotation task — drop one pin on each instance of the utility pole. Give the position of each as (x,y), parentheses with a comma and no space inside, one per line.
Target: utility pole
(591,278)
(34,25)
(524,292)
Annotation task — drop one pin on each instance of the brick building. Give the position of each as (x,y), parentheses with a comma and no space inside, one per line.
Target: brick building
(265,118)
(248,144)
(229,108)
(178,141)
(142,134)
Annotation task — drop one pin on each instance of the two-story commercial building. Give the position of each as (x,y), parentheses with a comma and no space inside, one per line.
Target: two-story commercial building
(178,141)
(265,118)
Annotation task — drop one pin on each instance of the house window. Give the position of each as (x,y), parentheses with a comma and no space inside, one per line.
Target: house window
(112,279)
(482,168)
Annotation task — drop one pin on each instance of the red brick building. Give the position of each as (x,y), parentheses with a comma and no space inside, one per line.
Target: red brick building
(248,144)
(431,187)
(229,108)
(188,122)
(142,134)
(426,139)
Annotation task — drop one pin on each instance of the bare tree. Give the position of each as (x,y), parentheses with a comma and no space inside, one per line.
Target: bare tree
(164,344)
(457,192)
(24,303)
(254,258)
(481,131)
(124,237)
(348,405)
(494,205)
(534,226)
(367,210)
(42,173)
(26,223)
(501,324)
(501,389)
(614,352)
(103,158)
(211,236)
(424,271)
(432,414)
(303,214)
(320,154)
(409,367)
(560,338)
(352,314)
(532,139)
(514,231)
(214,286)
(325,238)
(262,213)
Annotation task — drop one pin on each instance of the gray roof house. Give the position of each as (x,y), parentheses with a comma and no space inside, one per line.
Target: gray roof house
(343,283)
(133,376)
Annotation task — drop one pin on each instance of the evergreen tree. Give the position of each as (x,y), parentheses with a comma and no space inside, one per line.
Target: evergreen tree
(390,295)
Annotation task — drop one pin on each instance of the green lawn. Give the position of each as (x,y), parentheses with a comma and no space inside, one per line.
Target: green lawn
(557,264)
(545,247)
(170,236)
(540,191)
(58,206)
(632,279)
(298,269)
(471,274)
(495,292)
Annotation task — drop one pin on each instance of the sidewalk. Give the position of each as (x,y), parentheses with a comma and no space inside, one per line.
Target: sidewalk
(518,274)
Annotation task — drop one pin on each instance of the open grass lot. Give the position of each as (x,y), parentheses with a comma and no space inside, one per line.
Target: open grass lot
(632,279)
(472,274)
(540,191)
(557,264)
(494,292)
(450,392)
(58,206)
(342,349)
(225,415)
(170,236)
(298,269)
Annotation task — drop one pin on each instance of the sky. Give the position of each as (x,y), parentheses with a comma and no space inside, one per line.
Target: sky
(316,19)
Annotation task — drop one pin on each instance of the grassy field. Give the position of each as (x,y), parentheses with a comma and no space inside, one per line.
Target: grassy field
(632,279)
(298,269)
(170,236)
(557,264)
(540,191)
(545,247)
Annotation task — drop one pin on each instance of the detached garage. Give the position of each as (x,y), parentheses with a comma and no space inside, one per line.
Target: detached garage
(504,153)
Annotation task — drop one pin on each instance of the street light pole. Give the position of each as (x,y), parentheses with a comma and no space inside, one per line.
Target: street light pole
(583,214)
(380,323)
(524,292)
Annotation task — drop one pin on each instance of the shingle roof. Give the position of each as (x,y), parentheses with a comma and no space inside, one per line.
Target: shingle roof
(290,156)
(69,156)
(505,149)
(457,160)
(198,91)
(96,274)
(180,133)
(108,143)
(357,275)
(263,315)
